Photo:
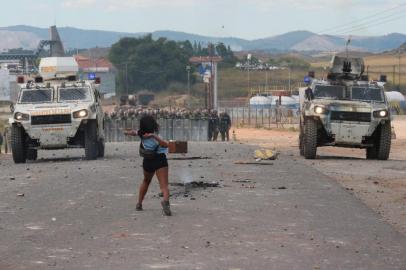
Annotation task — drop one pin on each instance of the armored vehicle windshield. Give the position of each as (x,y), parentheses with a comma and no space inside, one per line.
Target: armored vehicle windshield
(74,94)
(369,94)
(38,95)
(329,91)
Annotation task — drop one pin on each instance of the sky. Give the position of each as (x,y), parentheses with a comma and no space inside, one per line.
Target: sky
(249,19)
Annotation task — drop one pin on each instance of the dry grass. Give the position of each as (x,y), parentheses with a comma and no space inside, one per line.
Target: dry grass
(234,82)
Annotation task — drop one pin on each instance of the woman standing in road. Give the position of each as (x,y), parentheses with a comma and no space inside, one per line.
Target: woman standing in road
(154,150)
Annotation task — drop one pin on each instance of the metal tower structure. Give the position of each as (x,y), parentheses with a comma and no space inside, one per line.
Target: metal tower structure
(26,59)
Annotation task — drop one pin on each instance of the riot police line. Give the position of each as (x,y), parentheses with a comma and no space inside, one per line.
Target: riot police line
(175,124)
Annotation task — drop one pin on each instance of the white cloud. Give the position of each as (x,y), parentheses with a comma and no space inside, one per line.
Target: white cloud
(77,4)
(321,4)
(264,5)
(125,4)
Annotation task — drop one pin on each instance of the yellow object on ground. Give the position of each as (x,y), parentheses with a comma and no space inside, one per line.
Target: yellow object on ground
(266,154)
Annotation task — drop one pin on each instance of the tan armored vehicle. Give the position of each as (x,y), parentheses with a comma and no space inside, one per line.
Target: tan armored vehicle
(346,110)
(57,113)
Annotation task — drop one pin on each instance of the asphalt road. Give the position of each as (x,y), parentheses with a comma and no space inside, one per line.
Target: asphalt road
(62,212)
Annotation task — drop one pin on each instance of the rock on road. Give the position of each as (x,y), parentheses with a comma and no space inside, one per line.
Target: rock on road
(62,212)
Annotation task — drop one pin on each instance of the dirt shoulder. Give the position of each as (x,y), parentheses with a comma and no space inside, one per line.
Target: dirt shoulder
(379,184)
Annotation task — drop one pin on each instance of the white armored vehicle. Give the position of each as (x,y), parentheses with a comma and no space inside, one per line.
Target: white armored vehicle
(57,112)
(346,110)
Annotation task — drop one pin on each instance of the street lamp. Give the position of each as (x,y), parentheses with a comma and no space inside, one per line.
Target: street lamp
(126,77)
(188,68)
(249,66)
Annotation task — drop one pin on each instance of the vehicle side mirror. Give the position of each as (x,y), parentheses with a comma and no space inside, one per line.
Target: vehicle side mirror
(12,108)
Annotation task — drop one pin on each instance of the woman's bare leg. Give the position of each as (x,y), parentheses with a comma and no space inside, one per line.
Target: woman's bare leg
(162,175)
(144,186)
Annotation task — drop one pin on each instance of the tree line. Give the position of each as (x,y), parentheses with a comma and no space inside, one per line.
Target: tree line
(148,64)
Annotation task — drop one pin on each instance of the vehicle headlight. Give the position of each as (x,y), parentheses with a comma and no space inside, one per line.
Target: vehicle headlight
(381,114)
(80,114)
(319,110)
(21,116)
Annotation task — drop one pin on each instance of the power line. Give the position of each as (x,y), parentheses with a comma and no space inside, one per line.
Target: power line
(377,23)
(369,17)
(373,21)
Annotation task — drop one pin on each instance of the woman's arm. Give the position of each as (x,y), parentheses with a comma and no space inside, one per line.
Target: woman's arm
(130,132)
(161,142)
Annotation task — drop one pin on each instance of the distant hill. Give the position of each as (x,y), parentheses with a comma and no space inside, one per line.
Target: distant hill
(27,37)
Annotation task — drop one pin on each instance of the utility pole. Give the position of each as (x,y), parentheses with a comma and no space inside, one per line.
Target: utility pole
(249,66)
(126,77)
(212,91)
(399,70)
(188,68)
(393,75)
(266,80)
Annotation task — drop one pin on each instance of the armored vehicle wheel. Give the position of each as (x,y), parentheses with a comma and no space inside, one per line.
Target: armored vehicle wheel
(100,146)
(301,144)
(384,141)
(91,143)
(371,152)
(32,154)
(18,144)
(310,139)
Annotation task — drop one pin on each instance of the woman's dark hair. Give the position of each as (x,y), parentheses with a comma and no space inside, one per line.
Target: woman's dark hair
(148,124)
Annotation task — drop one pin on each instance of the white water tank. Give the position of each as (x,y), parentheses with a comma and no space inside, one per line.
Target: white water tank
(261,102)
(292,101)
(58,67)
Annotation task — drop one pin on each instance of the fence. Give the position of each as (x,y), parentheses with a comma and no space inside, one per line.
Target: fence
(170,129)
(265,117)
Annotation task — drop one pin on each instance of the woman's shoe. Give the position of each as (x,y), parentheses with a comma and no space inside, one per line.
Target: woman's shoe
(138,207)
(166,208)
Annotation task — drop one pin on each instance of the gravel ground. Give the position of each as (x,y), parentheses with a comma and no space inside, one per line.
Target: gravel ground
(379,184)
(62,212)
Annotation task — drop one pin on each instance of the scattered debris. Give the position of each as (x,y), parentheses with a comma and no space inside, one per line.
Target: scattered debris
(242,181)
(196,184)
(188,158)
(250,187)
(280,188)
(266,154)
(252,163)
